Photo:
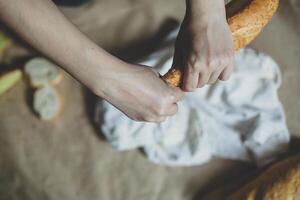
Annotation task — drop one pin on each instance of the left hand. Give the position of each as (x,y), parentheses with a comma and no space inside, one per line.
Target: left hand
(204,46)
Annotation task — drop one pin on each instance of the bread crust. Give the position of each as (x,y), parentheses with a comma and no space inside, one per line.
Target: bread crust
(59,100)
(60,108)
(42,83)
(280,181)
(245,25)
(52,82)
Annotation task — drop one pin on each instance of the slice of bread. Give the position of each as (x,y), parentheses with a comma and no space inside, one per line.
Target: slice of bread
(9,79)
(46,103)
(42,72)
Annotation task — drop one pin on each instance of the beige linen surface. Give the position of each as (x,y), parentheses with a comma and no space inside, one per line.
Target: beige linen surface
(66,159)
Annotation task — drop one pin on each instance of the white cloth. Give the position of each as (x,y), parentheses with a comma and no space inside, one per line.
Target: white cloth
(239,119)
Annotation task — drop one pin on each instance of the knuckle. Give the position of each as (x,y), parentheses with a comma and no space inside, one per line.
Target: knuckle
(159,111)
(213,64)
(170,97)
(193,58)
(194,67)
(193,62)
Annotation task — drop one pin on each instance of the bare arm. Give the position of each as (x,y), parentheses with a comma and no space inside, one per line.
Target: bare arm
(135,90)
(42,25)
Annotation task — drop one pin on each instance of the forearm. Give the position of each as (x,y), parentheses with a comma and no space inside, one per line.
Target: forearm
(41,24)
(204,10)
(137,91)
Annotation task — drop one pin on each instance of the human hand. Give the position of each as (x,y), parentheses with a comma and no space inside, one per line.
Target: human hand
(204,46)
(139,93)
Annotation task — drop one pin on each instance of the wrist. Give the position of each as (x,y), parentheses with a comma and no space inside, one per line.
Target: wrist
(96,69)
(204,10)
(106,74)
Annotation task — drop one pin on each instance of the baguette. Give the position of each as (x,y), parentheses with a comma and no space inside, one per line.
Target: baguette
(47,103)
(42,72)
(245,25)
(281,181)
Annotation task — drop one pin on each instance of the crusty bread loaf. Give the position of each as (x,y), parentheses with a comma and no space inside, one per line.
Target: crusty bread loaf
(47,103)
(245,25)
(173,76)
(9,79)
(249,22)
(281,181)
(42,72)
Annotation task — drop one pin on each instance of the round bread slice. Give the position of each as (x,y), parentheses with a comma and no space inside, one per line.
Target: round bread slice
(42,72)
(46,103)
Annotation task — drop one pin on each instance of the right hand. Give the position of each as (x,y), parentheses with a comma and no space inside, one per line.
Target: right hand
(139,93)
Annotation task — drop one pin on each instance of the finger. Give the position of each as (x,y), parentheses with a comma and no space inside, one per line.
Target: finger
(214,76)
(172,110)
(225,75)
(178,94)
(157,120)
(190,79)
(203,79)
(161,119)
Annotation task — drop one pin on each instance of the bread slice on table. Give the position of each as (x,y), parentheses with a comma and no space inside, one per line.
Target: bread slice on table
(47,103)
(42,72)
(9,79)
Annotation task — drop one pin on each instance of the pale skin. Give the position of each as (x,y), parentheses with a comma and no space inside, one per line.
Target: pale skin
(203,48)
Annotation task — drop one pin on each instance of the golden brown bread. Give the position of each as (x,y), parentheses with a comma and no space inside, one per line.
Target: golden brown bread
(245,25)
(248,23)
(281,181)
